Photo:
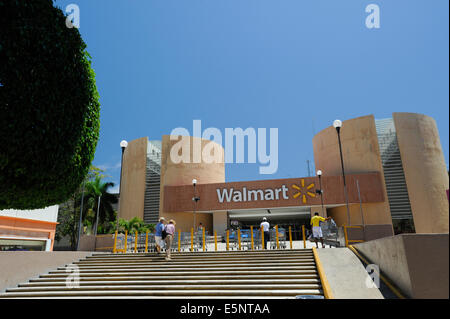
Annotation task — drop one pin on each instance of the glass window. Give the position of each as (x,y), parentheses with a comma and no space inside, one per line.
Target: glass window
(22,245)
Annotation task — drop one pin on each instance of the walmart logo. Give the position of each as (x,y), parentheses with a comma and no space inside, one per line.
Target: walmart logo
(303,191)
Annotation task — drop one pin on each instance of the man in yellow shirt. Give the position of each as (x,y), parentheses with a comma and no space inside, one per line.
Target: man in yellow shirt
(316,230)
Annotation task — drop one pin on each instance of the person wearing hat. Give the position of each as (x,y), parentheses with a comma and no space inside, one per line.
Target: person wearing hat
(170,229)
(265,226)
(159,242)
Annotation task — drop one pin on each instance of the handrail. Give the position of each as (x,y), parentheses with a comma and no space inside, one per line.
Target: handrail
(276,235)
(351,240)
(304,237)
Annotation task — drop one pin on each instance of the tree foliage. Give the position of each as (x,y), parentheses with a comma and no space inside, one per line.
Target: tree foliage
(133,225)
(49,106)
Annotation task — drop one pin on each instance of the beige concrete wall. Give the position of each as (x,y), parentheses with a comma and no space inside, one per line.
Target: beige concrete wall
(346,275)
(103,243)
(417,264)
(220,221)
(425,171)
(175,174)
(361,154)
(19,266)
(132,191)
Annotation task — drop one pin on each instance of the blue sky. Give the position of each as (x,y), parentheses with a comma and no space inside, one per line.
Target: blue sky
(288,64)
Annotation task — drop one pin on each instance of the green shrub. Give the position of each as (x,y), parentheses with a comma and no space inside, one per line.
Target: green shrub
(49,106)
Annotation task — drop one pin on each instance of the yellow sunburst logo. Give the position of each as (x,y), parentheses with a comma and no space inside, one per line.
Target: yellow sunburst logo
(303,191)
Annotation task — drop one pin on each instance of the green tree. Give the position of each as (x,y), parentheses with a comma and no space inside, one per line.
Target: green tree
(69,211)
(98,200)
(49,106)
(133,225)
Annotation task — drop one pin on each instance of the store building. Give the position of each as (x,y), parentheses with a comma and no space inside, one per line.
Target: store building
(395,172)
(28,230)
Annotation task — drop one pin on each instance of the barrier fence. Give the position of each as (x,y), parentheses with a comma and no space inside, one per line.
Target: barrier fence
(240,239)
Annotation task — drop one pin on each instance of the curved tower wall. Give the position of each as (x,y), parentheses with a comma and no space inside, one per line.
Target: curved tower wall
(361,155)
(131,202)
(174,174)
(425,171)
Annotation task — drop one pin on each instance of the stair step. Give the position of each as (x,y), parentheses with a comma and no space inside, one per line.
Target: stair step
(312,275)
(175,282)
(196,266)
(184,269)
(191,260)
(206,293)
(164,287)
(184,273)
(230,274)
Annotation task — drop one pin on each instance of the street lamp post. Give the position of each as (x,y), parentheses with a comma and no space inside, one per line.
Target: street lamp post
(195,198)
(98,210)
(123,146)
(337,125)
(320,191)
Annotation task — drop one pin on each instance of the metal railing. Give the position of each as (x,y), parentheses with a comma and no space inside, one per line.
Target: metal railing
(240,239)
(347,241)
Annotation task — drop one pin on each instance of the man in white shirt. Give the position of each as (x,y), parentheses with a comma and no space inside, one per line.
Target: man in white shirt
(265,226)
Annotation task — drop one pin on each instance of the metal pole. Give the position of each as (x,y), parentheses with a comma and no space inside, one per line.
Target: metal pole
(195,204)
(96,220)
(343,175)
(321,193)
(81,216)
(120,190)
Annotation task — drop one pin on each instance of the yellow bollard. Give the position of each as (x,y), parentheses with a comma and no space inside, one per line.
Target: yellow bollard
(179,240)
(290,236)
(239,238)
(276,236)
(126,241)
(251,234)
(115,242)
(304,238)
(215,240)
(146,241)
(192,239)
(135,241)
(262,238)
(228,240)
(204,244)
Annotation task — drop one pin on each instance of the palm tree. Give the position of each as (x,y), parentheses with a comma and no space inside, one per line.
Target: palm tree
(135,224)
(97,199)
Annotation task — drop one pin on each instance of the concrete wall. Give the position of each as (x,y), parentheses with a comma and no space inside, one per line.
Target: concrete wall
(175,174)
(103,243)
(418,264)
(18,267)
(361,154)
(131,202)
(425,171)
(346,275)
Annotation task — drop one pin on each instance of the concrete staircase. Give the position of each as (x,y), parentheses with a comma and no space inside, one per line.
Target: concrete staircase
(232,274)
